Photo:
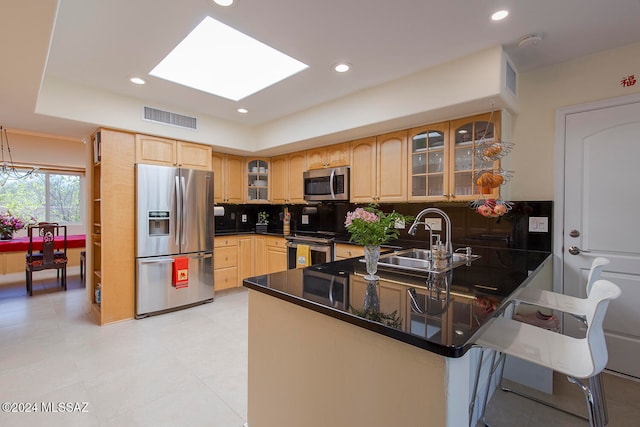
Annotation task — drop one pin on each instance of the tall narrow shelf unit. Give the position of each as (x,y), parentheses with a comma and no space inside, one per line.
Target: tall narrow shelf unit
(112,218)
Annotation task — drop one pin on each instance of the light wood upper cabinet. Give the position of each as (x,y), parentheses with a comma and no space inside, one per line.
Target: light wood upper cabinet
(466,137)
(363,170)
(391,165)
(379,168)
(297,166)
(286,178)
(169,152)
(228,178)
(153,150)
(258,180)
(279,179)
(193,156)
(428,158)
(328,157)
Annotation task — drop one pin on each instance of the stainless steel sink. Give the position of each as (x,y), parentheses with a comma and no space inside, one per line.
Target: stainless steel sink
(419,260)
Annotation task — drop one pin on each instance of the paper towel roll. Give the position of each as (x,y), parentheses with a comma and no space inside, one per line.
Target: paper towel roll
(218,211)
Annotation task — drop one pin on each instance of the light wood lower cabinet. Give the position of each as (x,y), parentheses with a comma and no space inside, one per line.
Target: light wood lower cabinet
(240,256)
(246,251)
(276,254)
(260,255)
(225,262)
(344,251)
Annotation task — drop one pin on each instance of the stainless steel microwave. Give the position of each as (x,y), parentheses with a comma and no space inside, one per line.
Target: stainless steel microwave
(326,184)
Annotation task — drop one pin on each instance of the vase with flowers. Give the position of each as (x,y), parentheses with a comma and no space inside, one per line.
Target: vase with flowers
(371,228)
(9,224)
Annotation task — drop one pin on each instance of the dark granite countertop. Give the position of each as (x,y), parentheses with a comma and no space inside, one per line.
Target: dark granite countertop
(414,308)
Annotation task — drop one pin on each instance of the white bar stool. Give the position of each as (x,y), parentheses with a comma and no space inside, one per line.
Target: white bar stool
(565,304)
(578,358)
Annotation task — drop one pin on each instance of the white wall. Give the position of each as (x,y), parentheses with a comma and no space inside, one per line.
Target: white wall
(459,88)
(545,90)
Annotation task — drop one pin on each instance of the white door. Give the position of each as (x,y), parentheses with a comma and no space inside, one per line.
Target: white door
(602,218)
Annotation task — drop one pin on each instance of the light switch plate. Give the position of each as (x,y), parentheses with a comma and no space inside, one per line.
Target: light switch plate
(538,224)
(434,223)
(305,219)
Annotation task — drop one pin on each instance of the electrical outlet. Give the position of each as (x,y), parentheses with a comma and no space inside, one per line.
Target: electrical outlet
(305,219)
(399,224)
(244,217)
(538,224)
(434,223)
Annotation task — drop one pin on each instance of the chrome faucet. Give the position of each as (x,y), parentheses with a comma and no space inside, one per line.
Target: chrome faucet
(447,220)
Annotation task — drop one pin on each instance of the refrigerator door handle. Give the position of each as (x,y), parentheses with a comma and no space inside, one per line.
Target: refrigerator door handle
(183,215)
(156,261)
(203,256)
(178,221)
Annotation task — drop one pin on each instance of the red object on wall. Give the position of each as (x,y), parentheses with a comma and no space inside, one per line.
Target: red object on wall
(180,272)
(628,81)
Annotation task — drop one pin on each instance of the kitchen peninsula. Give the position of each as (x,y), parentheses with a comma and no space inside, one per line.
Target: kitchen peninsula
(326,347)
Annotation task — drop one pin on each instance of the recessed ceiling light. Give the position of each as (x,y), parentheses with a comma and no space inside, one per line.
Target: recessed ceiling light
(342,68)
(137,80)
(500,15)
(223,2)
(220,60)
(243,110)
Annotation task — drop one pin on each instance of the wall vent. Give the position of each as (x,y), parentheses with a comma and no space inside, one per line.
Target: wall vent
(169,118)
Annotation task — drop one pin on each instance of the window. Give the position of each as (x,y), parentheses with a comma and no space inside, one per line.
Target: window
(45,196)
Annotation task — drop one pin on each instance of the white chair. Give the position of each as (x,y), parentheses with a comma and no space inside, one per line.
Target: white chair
(578,358)
(556,301)
(565,304)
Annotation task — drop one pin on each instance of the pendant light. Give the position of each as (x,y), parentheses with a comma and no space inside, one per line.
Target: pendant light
(7,168)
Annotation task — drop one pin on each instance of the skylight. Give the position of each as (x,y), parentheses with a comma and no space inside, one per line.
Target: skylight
(220,60)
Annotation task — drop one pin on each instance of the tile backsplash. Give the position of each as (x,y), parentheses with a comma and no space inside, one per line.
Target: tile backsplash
(468,227)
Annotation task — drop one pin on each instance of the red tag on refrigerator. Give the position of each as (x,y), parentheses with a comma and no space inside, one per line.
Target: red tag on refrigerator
(180,272)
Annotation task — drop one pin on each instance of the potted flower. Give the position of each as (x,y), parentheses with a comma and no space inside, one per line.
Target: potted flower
(9,224)
(371,228)
(263,221)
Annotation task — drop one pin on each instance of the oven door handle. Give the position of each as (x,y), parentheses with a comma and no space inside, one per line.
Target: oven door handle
(316,248)
(331,299)
(331,179)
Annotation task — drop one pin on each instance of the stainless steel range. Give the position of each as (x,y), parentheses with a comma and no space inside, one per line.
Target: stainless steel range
(321,246)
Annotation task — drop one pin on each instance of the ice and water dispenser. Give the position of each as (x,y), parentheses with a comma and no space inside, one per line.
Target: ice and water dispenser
(158,223)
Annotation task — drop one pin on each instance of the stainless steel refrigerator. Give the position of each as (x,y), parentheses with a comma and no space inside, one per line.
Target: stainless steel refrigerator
(174,238)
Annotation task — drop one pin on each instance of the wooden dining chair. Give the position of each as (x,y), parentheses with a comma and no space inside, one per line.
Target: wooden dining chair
(46,257)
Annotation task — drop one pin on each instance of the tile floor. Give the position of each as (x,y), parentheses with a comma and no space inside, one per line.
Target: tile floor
(187,368)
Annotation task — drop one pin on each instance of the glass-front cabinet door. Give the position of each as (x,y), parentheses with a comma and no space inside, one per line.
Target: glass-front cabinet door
(468,137)
(428,160)
(257,180)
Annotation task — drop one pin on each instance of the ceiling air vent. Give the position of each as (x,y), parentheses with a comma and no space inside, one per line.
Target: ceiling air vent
(169,118)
